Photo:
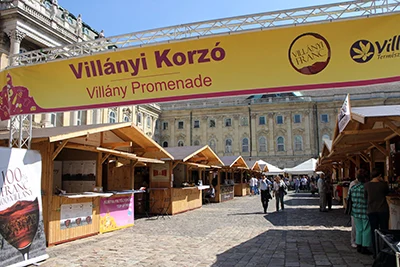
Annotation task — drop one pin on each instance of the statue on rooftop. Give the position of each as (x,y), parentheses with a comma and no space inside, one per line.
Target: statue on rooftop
(79,23)
(54,8)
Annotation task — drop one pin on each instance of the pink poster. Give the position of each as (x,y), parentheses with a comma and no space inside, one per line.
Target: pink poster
(116,213)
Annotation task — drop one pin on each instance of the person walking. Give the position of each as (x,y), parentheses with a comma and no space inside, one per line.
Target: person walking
(279,192)
(322,193)
(353,224)
(253,185)
(297,185)
(329,192)
(359,212)
(378,209)
(265,193)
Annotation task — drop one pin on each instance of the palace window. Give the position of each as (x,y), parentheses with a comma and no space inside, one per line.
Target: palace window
(245,145)
(280,141)
(228,146)
(279,119)
(298,143)
(262,144)
(297,118)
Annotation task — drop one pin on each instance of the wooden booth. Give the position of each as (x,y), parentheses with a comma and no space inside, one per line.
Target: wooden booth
(233,169)
(368,138)
(255,170)
(87,177)
(177,186)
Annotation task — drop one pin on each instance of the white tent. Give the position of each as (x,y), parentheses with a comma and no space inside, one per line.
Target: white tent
(272,170)
(306,168)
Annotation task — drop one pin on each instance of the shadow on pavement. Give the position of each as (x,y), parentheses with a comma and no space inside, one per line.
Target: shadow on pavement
(295,248)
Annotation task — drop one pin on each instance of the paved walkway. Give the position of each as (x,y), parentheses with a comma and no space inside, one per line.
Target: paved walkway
(234,233)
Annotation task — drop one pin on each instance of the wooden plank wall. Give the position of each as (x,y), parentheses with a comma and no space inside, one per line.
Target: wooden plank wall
(56,235)
(184,199)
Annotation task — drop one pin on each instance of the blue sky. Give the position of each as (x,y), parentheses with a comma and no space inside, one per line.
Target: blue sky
(125,16)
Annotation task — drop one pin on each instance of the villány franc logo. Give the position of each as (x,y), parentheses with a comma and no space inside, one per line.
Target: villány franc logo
(362,51)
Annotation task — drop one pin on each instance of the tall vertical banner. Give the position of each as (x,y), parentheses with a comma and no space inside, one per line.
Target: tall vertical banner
(22,237)
(344,116)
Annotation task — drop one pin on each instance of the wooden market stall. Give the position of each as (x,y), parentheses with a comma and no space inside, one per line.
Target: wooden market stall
(234,169)
(87,177)
(366,137)
(179,185)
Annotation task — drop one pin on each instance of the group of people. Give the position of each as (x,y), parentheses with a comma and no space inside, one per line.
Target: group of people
(264,186)
(369,209)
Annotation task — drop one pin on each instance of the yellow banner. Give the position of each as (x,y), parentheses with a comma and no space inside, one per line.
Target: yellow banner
(352,52)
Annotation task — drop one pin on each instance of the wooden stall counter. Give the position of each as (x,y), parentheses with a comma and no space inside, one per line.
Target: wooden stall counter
(185,199)
(226,192)
(240,189)
(73,216)
(394,212)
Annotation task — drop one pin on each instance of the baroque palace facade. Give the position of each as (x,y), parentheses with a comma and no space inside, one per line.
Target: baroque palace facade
(283,129)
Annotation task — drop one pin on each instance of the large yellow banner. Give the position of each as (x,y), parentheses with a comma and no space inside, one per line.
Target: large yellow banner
(345,53)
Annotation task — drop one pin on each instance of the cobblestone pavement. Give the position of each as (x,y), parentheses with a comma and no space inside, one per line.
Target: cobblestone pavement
(234,233)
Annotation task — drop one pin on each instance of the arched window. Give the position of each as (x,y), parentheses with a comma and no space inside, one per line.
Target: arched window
(262,144)
(245,145)
(196,143)
(165,144)
(112,117)
(325,137)
(213,145)
(228,146)
(280,142)
(139,118)
(148,122)
(180,143)
(298,143)
(126,118)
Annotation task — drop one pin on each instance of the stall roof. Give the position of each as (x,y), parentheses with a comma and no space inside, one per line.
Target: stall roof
(269,169)
(361,113)
(306,167)
(124,135)
(234,161)
(195,154)
(253,165)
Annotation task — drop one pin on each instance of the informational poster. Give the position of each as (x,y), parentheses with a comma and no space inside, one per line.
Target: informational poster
(116,213)
(22,238)
(160,172)
(75,215)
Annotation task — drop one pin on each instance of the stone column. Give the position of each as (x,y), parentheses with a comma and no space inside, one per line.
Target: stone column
(253,148)
(271,145)
(74,118)
(289,141)
(16,37)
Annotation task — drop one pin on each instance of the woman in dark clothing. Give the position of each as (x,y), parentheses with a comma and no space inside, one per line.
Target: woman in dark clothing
(378,210)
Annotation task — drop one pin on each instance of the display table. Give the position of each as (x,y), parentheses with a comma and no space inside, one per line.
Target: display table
(186,198)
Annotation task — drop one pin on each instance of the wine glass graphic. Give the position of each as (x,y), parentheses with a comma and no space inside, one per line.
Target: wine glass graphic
(19,224)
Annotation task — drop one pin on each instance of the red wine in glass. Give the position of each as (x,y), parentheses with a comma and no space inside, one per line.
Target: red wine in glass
(19,224)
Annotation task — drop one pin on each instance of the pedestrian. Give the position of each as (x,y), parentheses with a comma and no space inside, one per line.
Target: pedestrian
(322,193)
(359,212)
(378,210)
(265,193)
(353,224)
(279,192)
(253,185)
(297,185)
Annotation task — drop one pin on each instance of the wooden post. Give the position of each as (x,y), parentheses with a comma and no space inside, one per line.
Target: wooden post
(372,162)
(99,170)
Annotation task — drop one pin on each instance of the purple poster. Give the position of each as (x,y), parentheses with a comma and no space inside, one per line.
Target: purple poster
(116,213)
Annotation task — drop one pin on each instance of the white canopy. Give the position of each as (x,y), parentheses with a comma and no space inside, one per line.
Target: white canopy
(306,168)
(272,170)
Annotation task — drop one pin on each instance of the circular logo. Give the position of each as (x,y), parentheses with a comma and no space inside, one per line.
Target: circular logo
(309,53)
(362,51)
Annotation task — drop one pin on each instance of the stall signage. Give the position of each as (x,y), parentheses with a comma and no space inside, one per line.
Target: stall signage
(344,116)
(159,172)
(116,213)
(354,52)
(76,215)
(22,237)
